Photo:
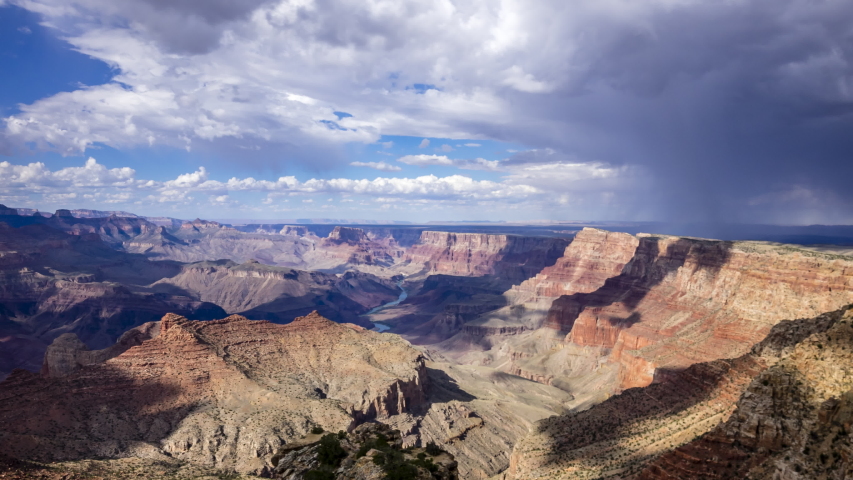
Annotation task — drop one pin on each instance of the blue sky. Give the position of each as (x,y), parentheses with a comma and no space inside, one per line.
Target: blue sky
(617,110)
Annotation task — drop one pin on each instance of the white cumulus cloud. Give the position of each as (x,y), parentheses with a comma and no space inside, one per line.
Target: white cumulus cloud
(385,167)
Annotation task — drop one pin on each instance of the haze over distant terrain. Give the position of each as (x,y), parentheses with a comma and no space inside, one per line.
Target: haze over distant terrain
(409,110)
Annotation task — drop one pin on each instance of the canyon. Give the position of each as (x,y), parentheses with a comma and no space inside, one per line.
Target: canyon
(607,355)
(779,411)
(221,393)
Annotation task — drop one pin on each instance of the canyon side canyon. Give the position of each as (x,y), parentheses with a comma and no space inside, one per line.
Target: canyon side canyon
(202,349)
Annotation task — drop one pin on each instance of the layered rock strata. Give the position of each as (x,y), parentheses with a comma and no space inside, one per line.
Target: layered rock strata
(793,421)
(639,305)
(225,393)
(511,257)
(733,417)
(682,301)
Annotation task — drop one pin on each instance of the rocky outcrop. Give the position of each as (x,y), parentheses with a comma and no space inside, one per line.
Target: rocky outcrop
(592,257)
(68,354)
(295,230)
(225,393)
(371,451)
(348,235)
(473,254)
(793,421)
(741,412)
(52,283)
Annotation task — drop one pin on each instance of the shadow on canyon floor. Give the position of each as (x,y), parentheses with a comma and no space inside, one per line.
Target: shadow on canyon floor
(443,388)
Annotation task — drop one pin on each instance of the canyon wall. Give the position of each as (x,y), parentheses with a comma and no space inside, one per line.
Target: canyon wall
(682,301)
(641,304)
(793,421)
(225,393)
(747,417)
(54,283)
(515,258)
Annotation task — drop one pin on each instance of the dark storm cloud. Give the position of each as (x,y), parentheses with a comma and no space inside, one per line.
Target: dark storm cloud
(722,101)
(731,110)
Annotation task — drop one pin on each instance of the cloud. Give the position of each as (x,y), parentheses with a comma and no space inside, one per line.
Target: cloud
(388,144)
(424,160)
(473,145)
(37,176)
(446,148)
(385,167)
(516,78)
(442,160)
(121,184)
(718,102)
(424,143)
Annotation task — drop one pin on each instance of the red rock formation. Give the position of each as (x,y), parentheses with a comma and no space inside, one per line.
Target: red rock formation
(739,411)
(476,254)
(793,421)
(220,393)
(681,301)
(592,257)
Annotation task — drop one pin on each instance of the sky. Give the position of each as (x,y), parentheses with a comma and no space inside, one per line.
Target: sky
(723,111)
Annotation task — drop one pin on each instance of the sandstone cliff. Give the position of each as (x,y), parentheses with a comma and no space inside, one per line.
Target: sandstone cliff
(225,393)
(629,307)
(793,421)
(746,415)
(512,257)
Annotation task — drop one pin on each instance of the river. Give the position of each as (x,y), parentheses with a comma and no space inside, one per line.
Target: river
(381,327)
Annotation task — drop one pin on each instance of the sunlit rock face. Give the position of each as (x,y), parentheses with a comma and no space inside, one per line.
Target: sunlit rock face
(223,393)
(779,411)
(616,309)
(681,301)
(474,254)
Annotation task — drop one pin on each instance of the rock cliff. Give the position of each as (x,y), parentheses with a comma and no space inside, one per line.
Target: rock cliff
(225,393)
(474,254)
(793,421)
(629,307)
(747,417)
(53,283)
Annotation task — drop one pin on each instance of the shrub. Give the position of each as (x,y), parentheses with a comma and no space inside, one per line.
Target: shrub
(330,451)
(323,474)
(400,471)
(317,430)
(432,449)
(379,443)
